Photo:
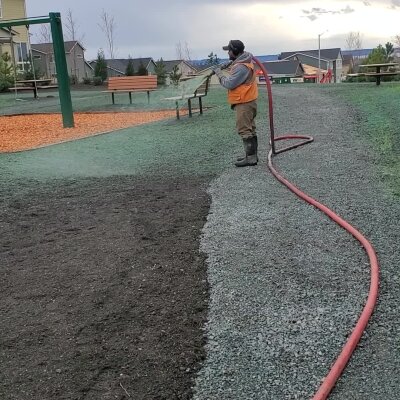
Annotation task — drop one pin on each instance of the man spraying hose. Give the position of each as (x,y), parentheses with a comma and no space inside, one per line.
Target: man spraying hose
(240,80)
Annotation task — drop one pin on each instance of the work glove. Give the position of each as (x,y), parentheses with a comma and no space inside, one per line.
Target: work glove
(225,64)
(216,70)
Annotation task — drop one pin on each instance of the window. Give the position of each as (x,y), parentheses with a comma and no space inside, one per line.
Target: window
(79,56)
(37,57)
(22,52)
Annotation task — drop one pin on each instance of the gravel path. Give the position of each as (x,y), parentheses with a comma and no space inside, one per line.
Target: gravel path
(287,284)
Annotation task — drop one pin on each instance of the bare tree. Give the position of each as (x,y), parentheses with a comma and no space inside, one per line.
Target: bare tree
(183,52)
(179,51)
(72,27)
(187,52)
(108,26)
(354,41)
(396,39)
(43,35)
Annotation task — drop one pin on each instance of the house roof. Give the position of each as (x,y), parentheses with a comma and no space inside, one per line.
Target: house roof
(47,48)
(357,53)
(326,54)
(8,31)
(270,57)
(120,64)
(347,59)
(284,67)
(170,64)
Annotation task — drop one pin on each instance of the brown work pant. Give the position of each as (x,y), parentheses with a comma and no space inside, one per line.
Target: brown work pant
(245,116)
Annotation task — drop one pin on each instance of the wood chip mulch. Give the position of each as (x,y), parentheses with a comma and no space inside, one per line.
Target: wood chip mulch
(25,132)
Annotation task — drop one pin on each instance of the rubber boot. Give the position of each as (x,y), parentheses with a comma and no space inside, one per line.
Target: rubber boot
(251,153)
(240,158)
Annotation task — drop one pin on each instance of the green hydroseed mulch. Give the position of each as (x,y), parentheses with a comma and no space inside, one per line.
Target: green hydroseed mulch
(201,145)
(378,108)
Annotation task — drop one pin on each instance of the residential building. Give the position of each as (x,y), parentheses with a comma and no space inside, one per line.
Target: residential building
(15,9)
(117,66)
(282,71)
(348,64)
(183,67)
(323,59)
(43,55)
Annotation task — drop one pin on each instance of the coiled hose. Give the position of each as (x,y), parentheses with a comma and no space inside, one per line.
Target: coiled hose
(348,349)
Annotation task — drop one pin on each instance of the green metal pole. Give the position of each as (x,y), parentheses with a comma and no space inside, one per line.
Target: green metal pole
(62,70)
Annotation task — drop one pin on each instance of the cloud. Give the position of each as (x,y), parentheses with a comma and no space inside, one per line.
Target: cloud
(316,12)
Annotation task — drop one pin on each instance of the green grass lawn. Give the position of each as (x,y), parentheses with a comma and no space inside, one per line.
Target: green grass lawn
(379,111)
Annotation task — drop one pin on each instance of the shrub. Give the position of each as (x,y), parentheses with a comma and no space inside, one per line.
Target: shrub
(6,73)
(100,69)
(87,81)
(73,79)
(97,81)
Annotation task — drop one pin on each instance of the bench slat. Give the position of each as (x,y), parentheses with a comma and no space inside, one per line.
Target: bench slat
(132,82)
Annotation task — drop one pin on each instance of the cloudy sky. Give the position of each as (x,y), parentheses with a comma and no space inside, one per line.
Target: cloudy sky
(155,28)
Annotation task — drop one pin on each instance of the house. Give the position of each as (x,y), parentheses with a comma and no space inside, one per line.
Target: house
(323,59)
(117,66)
(266,58)
(348,64)
(358,55)
(14,9)
(43,56)
(183,67)
(282,71)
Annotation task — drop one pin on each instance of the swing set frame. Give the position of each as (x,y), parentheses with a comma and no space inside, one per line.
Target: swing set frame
(54,19)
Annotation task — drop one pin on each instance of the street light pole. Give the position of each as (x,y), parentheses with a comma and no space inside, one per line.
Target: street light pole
(319,55)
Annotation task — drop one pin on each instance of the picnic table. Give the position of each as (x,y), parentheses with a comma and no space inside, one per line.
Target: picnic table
(34,85)
(378,73)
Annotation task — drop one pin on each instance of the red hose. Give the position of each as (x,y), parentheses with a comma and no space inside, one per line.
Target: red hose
(348,349)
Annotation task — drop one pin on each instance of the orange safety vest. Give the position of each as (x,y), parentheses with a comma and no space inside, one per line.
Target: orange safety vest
(247,91)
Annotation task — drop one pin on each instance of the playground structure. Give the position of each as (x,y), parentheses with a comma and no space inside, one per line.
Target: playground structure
(54,19)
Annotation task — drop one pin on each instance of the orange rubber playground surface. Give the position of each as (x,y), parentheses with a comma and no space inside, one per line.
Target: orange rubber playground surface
(24,132)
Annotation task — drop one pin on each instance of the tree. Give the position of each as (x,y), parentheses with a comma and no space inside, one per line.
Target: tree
(6,72)
(160,72)
(108,26)
(183,52)
(354,41)
(389,50)
(141,69)
(212,59)
(44,34)
(71,28)
(100,70)
(396,40)
(174,75)
(130,70)
(377,56)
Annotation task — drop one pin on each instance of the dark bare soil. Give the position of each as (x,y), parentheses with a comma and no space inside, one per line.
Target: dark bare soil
(103,289)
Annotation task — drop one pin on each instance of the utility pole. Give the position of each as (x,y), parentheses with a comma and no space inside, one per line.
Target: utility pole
(319,56)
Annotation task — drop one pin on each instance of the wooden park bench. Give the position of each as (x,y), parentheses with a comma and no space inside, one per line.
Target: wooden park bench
(33,85)
(131,84)
(199,93)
